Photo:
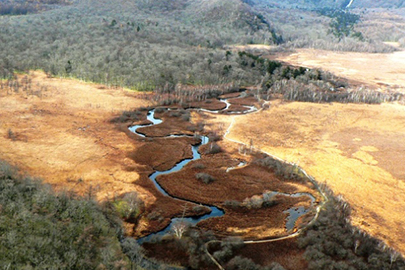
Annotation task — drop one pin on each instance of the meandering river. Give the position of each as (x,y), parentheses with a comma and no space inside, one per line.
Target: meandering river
(293,213)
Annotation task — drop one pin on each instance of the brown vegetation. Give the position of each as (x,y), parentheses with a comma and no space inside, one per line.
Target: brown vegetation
(61,132)
(239,186)
(384,71)
(354,149)
(162,154)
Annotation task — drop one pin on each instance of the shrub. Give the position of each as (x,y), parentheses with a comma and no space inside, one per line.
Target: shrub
(186,116)
(214,137)
(232,204)
(241,263)
(159,110)
(198,166)
(199,209)
(134,252)
(213,149)
(282,169)
(155,216)
(11,135)
(253,202)
(174,114)
(127,116)
(205,178)
(129,207)
(332,241)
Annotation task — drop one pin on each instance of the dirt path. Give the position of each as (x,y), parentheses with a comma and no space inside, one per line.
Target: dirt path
(60,131)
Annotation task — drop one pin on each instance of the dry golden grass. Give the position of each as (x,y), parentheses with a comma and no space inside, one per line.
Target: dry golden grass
(358,150)
(385,71)
(63,135)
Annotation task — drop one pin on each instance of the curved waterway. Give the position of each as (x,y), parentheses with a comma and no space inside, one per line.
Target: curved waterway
(151,117)
(293,213)
(249,109)
(215,211)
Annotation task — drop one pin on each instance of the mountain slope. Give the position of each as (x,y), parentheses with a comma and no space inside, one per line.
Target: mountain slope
(316,4)
(303,4)
(378,4)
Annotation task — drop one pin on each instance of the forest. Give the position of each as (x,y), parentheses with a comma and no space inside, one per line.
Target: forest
(43,230)
(15,7)
(142,46)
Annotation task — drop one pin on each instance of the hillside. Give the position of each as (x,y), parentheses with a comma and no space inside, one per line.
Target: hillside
(19,7)
(134,44)
(41,229)
(378,4)
(317,4)
(304,4)
(147,44)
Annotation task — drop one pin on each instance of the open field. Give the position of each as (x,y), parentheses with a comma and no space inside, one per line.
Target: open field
(63,135)
(385,71)
(357,150)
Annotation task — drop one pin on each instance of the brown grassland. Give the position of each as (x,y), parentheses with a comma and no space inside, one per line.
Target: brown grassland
(384,71)
(357,150)
(63,135)
(363,144)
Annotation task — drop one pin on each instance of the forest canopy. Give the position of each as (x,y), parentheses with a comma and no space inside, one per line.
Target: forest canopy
(43,230)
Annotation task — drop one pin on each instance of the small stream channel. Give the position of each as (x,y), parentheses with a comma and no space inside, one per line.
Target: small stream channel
(294,213)
(215,211)
(249,109)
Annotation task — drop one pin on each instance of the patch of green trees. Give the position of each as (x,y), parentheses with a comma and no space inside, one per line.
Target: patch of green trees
(310,85)
(40,229)
(342,23)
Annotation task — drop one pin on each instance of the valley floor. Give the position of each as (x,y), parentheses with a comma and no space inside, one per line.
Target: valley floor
(60,130)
